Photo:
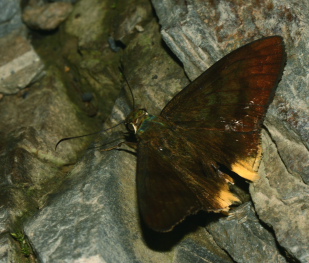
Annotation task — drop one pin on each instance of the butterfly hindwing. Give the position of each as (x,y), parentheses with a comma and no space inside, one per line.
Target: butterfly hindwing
(163,199)
(172,184)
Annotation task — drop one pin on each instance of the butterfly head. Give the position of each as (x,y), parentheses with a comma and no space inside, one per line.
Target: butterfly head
(135,119)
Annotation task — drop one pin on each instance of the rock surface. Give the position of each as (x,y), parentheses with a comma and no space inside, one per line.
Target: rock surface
(20,65)
(90,214)
(47,16)
(281,196)
(10,17)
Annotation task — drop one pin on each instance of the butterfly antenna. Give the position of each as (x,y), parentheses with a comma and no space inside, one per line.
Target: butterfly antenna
(121,68)
(85,135)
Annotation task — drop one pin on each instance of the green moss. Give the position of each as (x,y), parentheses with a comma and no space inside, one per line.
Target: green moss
(25,247)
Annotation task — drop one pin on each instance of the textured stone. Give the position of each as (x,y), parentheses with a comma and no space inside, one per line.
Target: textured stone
(20,65)
(29,165)
(96,216)
(197,32)
(281,196)
(242,231)
(92,215)
(46,17)
(10,17)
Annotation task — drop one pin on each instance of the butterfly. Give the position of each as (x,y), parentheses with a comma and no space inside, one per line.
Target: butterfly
(212,125)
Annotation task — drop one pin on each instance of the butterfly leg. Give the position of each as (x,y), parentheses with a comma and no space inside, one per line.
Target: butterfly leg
(130,144)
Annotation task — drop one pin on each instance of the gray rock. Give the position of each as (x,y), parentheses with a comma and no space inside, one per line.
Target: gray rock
(97,219)
(96,216)
(4,248)
(92,214)
(197,32)
(30,127)
(20,65)
(242,231)
(10,17)
(281,196)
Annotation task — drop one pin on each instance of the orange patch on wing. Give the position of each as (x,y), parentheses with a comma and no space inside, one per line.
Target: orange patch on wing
(248,168)
(225,199)
(244,170)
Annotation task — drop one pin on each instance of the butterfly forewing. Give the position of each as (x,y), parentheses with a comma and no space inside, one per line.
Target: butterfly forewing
(227,104)
(239,85)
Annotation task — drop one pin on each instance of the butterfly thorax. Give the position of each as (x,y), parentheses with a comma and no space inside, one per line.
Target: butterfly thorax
(140,120)
(135,119)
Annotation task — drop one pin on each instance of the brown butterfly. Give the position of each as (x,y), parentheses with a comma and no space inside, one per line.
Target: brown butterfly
(212,123)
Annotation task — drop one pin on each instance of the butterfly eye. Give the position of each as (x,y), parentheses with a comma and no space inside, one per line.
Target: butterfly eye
(131,127)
